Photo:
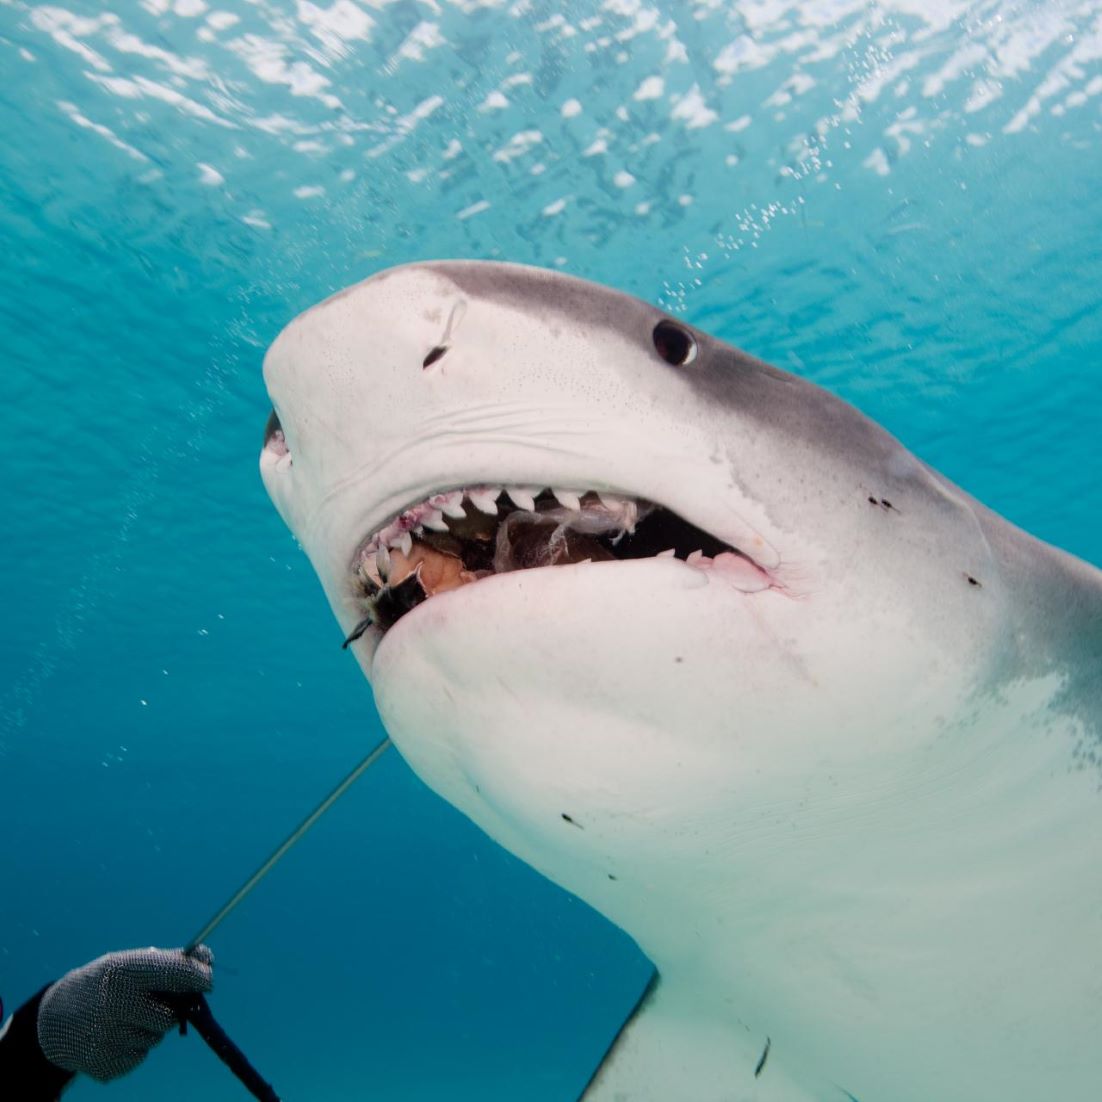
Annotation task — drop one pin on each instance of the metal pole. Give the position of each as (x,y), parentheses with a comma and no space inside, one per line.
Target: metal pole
(291,839)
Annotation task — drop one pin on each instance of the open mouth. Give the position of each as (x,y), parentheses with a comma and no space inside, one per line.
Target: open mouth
(457,538)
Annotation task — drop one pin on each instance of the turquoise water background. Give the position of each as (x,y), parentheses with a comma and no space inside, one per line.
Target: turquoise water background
(899,200)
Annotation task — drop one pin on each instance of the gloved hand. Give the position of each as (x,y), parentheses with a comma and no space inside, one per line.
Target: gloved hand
(101,1020)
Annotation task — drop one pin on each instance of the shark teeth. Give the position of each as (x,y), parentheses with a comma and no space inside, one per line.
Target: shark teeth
(523,497)
(485,501)
(434,519)
(451,505)
(382,563)
(436,511)
(436,514)
(568,498)
(456,537)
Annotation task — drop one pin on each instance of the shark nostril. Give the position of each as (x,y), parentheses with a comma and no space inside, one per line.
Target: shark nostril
(274,439)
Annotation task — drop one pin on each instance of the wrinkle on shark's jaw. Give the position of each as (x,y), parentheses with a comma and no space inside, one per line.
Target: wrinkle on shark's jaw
(456,538)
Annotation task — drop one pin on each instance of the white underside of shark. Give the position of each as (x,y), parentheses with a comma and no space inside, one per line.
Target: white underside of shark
(839,775)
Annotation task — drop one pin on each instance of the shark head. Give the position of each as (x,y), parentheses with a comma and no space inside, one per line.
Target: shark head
(609,571)
(667,622)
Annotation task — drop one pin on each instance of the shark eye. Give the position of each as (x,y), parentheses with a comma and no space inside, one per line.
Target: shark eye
(673,344)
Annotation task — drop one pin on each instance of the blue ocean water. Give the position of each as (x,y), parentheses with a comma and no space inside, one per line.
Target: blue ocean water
(899,200)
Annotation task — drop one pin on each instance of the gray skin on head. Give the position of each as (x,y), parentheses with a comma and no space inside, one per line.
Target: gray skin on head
(1057,598)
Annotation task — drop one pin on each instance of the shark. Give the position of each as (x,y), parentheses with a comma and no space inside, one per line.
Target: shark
(713,651)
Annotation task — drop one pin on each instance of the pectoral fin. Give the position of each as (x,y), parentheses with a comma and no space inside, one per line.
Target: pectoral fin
(671,1049)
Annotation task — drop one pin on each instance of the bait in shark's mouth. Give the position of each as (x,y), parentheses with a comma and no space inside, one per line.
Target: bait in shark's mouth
(457,538)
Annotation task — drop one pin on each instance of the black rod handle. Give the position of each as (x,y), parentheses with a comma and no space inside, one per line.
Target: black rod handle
(195,1009)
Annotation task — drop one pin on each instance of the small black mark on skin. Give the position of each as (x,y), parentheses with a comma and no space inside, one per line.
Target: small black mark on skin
(567,819)
(611,877)
(679,659)
(872,500)
(973,581)
(435,355)
(357,631)
(764,1056)
(883,502)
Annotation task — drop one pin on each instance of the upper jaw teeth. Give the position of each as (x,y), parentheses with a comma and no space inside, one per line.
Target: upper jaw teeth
(485,501)
(433,513)
(451,505)
(523,497)
(434,519)
(568,498)
(389,557)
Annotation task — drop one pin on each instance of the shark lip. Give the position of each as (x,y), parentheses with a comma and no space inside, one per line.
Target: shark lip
(459,537)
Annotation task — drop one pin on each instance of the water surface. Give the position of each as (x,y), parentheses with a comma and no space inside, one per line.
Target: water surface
(898,200)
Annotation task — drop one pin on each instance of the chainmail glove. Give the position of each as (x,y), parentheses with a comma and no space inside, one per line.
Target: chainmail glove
(102,1019)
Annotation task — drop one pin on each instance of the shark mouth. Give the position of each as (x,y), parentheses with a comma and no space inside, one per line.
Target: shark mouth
(458,538)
